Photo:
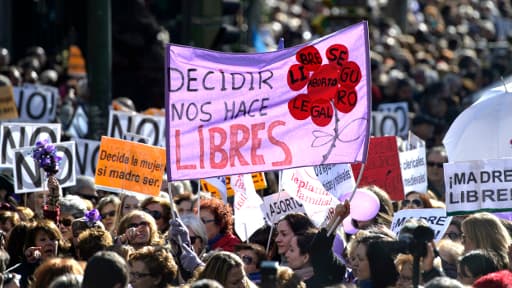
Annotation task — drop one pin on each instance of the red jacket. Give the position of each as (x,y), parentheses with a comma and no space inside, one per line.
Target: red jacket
(226,243)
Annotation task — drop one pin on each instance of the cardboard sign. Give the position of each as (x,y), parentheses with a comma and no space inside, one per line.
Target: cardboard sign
(27,175)
(8,109)
(238,113)
(79,125)
(258,179)
(277,205)
(401,110)
(337,179)
(36,103)
(86,156)
(382,167)
(303,185)
(481,185)
(414,170)
(129,166)
(384,124)
(17,135)
(435,217)
(137,127)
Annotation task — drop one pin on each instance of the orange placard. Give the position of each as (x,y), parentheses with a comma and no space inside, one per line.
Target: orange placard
(125,166)
(8,108)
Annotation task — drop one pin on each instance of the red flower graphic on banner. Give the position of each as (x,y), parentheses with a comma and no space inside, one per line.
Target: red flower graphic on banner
(329,86)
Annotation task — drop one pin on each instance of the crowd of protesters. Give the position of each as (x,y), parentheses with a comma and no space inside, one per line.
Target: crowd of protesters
(447,51)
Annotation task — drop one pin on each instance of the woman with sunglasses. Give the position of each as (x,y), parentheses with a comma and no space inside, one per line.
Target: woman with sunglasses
(108,206)
(160,209)
(71,207)
(138,229)
(415,200)
(152,267)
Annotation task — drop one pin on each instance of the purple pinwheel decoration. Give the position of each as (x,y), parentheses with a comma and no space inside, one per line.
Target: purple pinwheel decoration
(45,155)
(92,217)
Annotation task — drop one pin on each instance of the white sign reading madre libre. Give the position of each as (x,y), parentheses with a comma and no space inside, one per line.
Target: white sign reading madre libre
(27,175)
(414,170)
(435,217)
(480,185)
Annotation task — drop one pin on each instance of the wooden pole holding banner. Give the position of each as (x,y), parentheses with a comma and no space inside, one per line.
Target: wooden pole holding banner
(338,221)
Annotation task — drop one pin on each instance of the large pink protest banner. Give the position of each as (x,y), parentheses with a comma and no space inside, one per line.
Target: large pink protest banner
(234,113)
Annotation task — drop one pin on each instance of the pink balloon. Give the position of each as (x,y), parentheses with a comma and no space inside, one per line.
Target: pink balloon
(364,206)
(348,227)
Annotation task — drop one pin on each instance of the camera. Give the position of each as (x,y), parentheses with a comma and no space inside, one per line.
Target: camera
(413,239)
(268,271)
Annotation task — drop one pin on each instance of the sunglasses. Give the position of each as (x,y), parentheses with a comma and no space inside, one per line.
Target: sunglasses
(136,225)
(157,215)
(454,236)
(138,275)
(108,214)
(66,222)
(246,259)
(436,164)
(206,221)
(415,202)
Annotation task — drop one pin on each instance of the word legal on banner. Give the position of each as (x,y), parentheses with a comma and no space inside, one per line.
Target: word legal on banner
(481,185)
(237,113)
(125,166)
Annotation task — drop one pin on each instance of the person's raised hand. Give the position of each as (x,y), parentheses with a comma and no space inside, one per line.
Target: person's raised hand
(33,254)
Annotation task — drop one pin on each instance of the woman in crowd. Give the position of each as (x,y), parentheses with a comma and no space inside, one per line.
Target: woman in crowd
(218,220)
(152,267)
(415,200)
(8,219)
(197,233)
(138,229)
(43,242)
(289,226)
(436,157)
(454,230)
(160,209)
(53,268)
(485,231)
(478,263)
(226,268)
(108,207)
(372,265)
(310,254)
(128,204)
(71,207)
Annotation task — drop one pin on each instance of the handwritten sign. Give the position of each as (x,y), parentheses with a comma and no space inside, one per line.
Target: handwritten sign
(8,108)
(27,175)
(435,217)
(481,185)
(17,135)
(382,167)
(125,166)
(246,206)
(240,113)
(303,185)
(79,125)
(337,179)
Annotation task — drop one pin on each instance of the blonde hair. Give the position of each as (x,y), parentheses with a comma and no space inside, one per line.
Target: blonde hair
(487,232)
(154,237)
(53,268)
